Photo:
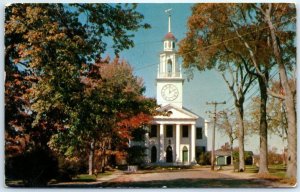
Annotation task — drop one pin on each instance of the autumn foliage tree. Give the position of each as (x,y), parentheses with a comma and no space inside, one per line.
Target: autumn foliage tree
(281,22)
(111,107)
(244,35)
(48,48)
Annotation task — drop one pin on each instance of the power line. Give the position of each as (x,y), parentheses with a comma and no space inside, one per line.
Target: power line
(224,41)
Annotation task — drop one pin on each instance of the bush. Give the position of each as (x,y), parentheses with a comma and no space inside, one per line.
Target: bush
(136,155)
(35,168)
(248,157)
(204,158)
(68,169)
(274,158)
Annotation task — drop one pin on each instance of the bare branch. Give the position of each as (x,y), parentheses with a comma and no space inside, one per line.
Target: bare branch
(276,95)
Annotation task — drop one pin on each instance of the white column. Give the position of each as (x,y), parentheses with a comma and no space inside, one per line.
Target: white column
(193,139)
(161,144)
(177,143)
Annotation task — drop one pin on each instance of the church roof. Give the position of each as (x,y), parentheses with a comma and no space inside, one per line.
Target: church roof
(170,36)
(177,112)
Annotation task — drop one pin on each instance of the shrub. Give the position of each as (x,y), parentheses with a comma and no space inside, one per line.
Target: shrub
(136,155)
(67,169)
(204,158)
(35,167)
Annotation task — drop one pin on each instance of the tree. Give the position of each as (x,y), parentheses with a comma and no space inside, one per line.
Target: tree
(228,126)
(203,49)
(214,27)
(276,116)
(280,19)
(47,46)
(112,106)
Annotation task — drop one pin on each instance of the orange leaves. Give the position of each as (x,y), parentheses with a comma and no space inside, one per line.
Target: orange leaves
(135,121)
(126,125)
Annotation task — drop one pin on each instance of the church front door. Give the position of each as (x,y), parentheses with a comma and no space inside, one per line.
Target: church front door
(184,154)
(169,154)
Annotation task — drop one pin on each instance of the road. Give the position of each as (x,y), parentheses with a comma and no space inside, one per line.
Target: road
(185,178)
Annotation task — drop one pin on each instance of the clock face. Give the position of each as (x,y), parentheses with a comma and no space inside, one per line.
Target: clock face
(169,92)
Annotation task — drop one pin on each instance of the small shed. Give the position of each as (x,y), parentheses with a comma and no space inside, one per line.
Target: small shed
(223,157)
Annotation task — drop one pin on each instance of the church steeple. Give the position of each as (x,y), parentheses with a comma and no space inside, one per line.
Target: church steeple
(169,16)
(169,39)
(169,78)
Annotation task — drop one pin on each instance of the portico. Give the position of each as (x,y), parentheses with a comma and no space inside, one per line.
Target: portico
(173,137)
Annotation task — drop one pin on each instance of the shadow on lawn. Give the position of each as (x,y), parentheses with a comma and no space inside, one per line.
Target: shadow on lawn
(190,183)
(178,183)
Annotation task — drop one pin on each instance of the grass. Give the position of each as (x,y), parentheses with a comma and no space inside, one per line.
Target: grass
(274,170)
(84,178)
(276,173)
(89,178)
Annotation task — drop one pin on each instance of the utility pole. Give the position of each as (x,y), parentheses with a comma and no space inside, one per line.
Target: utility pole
(213,131)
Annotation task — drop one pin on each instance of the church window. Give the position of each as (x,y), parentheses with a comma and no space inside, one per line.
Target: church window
(173,43)
(169,66)
(199,133)
(185,131)
(169,44)
(153,131)
(169,131)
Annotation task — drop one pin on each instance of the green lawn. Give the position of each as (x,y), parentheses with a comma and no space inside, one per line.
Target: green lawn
(89,178)
(276,173)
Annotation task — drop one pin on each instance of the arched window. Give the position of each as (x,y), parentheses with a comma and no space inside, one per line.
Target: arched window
(184,154)
(153,154)
(169,67)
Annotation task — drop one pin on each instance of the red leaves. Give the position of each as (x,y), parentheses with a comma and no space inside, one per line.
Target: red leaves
(125,126)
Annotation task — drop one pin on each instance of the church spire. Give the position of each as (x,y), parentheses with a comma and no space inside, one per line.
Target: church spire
(168,11)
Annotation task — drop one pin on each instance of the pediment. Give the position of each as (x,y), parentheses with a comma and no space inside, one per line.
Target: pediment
(175,113)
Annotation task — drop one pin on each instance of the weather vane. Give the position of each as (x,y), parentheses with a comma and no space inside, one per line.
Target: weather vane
(168,11)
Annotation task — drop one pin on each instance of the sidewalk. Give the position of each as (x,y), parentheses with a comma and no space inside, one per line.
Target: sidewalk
(114,175)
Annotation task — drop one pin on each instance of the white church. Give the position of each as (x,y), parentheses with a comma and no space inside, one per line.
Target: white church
(180,137)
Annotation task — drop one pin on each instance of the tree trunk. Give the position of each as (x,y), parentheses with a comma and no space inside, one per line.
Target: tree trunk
(231,151)
(263,127)
(291,137)
(288,100)
(239,113)
(91,158)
